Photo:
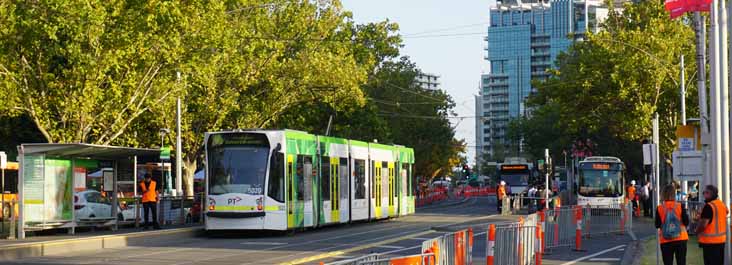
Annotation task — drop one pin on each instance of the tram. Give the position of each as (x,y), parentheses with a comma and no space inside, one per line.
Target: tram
(601,181)
(288,180)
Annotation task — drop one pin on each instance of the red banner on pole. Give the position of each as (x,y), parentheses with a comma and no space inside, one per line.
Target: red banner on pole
(678,8)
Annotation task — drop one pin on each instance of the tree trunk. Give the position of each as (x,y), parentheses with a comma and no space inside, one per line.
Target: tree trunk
(189,170)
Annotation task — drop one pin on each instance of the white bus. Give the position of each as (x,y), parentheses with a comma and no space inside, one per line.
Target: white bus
(601,181)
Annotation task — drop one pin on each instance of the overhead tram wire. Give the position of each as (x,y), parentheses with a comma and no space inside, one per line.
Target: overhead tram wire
(447,29)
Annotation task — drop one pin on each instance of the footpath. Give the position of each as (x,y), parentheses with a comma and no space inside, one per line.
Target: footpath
(605,249)
(36,246)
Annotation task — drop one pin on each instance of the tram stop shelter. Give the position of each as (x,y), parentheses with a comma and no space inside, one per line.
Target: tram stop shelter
(74,185)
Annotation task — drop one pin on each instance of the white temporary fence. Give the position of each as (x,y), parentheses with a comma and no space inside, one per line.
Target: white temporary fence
(452,248)
(599,220)
(566,226)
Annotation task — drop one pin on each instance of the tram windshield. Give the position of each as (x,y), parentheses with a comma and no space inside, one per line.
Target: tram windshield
(597,181)
(237,163)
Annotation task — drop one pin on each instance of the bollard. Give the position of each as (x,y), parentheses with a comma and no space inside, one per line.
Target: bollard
(542,220)
(491,245)
(520,243)
(538,246)
(556,226)
(469,258)
(578,233)
(624,214)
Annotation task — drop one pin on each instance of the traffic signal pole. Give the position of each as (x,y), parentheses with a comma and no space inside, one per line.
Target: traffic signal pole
(546,179)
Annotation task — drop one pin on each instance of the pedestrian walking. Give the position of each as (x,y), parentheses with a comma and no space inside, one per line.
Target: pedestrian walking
(631,195)
(500,195)
(671,222)
(646,199)
(712,227)
(149,201)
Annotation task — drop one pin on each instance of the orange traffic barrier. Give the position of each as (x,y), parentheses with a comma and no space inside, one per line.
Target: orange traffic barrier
(491,245)
(556,226)
(520,242)
(542,221)
(622,219)
(578,233)
(537,245)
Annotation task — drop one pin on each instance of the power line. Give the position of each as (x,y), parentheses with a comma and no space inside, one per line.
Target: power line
(446,29)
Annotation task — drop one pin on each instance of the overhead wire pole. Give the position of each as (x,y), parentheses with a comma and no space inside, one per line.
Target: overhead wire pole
(715,95)
(724,107)
(700,24)
(656,178)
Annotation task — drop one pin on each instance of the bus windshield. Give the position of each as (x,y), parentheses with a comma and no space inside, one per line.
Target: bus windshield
(239,167)
(516,179)
(600,183)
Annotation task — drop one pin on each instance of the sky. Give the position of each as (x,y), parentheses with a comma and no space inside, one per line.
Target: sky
(443,37)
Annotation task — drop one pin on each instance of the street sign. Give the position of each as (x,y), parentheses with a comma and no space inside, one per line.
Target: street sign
(165,153)
(3,160)
(647,150)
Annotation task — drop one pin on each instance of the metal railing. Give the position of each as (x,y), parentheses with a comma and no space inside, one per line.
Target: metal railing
(171,210)
(452,248)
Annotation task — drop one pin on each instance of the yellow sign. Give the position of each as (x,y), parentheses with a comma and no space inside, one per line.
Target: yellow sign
(688,138)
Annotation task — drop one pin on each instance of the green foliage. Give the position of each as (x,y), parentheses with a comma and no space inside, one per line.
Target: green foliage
(397,111)
(109,72)
(83,71)
(607,87)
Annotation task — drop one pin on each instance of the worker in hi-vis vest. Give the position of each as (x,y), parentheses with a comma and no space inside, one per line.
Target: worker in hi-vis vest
(150,200)
(500,195)
(712,227)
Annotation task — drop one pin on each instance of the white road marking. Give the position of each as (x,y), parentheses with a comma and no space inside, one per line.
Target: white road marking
(621,249)
(593,255)
(264,243)
(604,259)
(389,246)
(399,250)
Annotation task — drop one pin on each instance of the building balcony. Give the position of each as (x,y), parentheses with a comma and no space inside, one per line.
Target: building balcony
(498,92)
(539,73)
(499,83)
(539,44)
(541,63)
(540,53)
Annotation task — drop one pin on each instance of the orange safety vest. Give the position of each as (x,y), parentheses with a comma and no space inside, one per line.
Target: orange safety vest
(501,192)
(149,194)
(716,230)
(631,193)
(662,213)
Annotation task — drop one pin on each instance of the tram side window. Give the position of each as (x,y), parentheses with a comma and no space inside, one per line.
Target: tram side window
(325,177)
(360,171)
(276,189)
(343,178)
(308,174)
(299,177)
(373,179)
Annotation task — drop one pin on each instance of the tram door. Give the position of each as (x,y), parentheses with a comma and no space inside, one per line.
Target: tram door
(335,189)
(343,194)
(403,195)
(295,191)
(376,188)
(305,165)
(392,189)
(385,195)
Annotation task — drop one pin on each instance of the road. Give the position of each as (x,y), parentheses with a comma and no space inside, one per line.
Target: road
(401,236)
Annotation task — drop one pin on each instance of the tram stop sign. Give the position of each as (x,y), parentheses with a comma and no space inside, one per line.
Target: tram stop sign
(3,160)
(165,153)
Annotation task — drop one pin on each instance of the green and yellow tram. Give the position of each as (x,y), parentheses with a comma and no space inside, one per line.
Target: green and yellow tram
(285,180)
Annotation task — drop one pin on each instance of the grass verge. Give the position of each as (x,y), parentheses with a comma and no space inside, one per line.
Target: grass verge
(693,252)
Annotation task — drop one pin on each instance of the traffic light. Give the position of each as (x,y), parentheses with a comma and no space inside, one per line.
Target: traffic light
(466,170)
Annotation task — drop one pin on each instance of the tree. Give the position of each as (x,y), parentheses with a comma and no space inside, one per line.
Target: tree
(84,72)
(605,89)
